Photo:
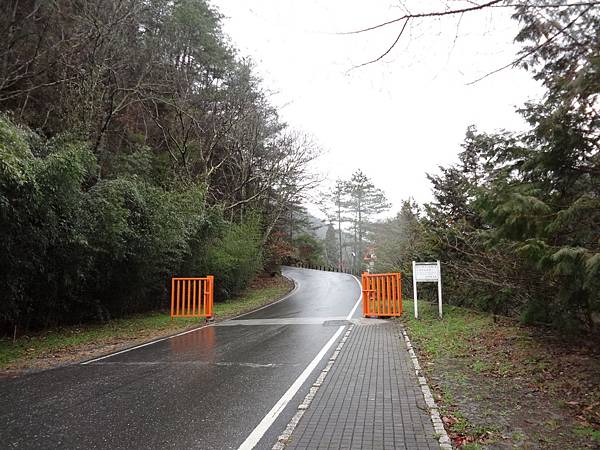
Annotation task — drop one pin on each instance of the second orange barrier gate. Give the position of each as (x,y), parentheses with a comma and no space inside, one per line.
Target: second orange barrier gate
(192,297)
(382,294)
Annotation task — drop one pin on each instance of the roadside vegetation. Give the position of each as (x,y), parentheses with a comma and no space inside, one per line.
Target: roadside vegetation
(501,384)
(350,207)
(75,343)
(136,145)
(515,222)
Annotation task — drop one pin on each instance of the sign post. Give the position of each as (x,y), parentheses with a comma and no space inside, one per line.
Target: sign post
(414,272)
(427,272)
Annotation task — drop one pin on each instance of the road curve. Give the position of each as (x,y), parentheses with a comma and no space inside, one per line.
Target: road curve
(208,389)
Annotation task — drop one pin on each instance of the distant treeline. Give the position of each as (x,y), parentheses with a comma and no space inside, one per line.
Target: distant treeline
(134,144)
(516,223)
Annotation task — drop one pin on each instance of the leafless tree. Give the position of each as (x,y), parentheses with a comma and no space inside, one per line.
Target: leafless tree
(449,9)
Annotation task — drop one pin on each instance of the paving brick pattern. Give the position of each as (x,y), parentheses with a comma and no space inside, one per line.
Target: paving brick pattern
(369,400)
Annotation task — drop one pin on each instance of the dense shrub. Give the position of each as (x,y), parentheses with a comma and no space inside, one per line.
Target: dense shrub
(75,247)
(43,246)
(236,256)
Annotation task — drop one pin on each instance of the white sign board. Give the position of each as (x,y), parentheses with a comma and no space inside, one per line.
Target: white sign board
(427,272)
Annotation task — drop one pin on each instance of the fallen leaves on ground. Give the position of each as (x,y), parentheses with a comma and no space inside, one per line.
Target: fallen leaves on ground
(532,379)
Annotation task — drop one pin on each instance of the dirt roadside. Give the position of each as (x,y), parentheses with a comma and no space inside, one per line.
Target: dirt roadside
(503,385)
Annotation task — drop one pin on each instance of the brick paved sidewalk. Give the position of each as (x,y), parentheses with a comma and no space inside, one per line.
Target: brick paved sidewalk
(370,398)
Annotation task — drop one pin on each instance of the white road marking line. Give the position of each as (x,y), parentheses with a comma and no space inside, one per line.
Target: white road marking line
(284,438)
(143,345)
(272,415)
(288,295)
(285,297)
(280,321)
(357,301)
(191,363)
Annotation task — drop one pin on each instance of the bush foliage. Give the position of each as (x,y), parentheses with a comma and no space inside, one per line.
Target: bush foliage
(77,247)
(156,152)
(516,222)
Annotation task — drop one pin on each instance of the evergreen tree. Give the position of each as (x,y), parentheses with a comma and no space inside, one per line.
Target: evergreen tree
(363,202)
(332,248)
(334,204)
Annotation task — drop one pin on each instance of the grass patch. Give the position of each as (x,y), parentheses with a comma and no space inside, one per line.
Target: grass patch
(56,343)
(439,341)
(472,446)
(251,299)
(32,346)
(448,337)
(588,432)
(501,381)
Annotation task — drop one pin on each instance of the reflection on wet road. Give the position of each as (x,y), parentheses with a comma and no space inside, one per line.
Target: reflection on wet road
(205,389)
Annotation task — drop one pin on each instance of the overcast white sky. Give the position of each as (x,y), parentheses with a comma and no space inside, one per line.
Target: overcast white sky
(401,117)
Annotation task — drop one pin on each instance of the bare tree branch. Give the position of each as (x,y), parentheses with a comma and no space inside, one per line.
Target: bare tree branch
(408,17)
(533,50)
(387,51)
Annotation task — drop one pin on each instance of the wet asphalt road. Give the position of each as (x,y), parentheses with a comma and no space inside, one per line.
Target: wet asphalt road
(207,389)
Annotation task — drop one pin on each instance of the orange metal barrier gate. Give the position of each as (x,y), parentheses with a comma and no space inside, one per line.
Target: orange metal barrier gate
(382,294)
(192,297)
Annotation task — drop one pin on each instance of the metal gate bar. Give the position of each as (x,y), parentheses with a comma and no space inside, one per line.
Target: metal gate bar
(382,294)
(192,297)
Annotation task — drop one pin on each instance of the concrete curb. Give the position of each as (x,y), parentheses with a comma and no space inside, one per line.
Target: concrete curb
(438,424)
